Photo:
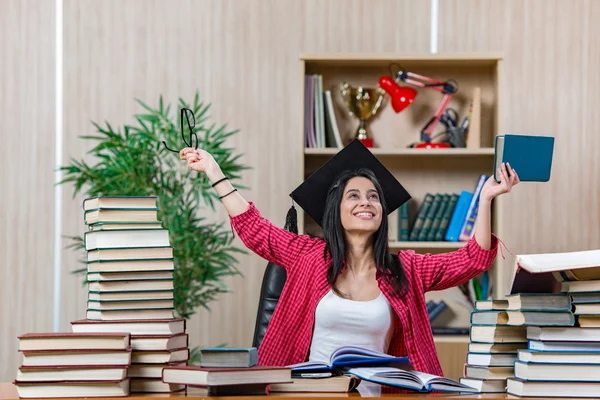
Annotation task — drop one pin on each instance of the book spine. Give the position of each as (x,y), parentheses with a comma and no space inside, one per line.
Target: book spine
(439,308)
(438,218)
(404,215)
(441,232)
(468,227)
(460,212)
(416,230)
(429,217)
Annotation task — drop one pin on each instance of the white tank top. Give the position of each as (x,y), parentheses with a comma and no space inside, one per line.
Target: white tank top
(342,322)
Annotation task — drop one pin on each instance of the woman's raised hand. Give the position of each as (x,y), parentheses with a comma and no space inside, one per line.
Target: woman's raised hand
(199,160)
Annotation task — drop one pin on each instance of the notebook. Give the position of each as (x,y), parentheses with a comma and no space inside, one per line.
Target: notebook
(530,156)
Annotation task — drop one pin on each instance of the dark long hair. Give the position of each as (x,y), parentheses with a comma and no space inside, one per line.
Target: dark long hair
(387,264)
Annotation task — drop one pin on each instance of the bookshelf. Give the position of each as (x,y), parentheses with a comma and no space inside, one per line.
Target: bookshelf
(420,171)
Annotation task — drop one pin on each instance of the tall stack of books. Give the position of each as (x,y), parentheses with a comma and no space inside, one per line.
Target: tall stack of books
(130,281)
(73,365)
(563,361)
(493,347)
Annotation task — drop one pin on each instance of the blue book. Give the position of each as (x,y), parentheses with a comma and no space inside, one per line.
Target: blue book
(530,156)
(437,310)
(468,227)
(351,356)
(228,357)
(430,306)
(414,380)
(458,216)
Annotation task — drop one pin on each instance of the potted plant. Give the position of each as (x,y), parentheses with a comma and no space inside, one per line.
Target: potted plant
(133,161)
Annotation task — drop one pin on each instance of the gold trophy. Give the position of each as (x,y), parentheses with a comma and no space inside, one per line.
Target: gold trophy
(362,103)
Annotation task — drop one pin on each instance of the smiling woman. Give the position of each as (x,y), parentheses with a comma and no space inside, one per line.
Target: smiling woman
(346,288)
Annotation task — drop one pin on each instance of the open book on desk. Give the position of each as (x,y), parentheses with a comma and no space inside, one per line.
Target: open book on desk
(351,356)
(413,380)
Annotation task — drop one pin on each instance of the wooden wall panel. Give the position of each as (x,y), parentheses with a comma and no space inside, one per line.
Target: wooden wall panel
(243,56)
(550,74)
(26,181)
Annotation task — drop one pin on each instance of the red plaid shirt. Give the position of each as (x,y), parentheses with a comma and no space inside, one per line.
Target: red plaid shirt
(289,334)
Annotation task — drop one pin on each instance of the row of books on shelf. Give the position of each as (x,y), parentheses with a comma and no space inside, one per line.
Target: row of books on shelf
(320,125)
(542,344)
(442,216)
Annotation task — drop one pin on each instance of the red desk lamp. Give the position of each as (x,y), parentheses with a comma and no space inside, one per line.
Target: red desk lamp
(403,96)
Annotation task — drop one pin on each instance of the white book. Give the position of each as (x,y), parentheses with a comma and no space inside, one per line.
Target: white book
(72,358)
(141,385)
(78,373)
(485,385)
(160,342)
(135,327)
(125,315)
(78,389)
(333,132)
(162,357)
(543,267)
(114,239)
(545,388)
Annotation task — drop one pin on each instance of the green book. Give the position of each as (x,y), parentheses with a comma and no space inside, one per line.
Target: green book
(416,230)
(428,221)
(435,225)
(441,233)
(404,223)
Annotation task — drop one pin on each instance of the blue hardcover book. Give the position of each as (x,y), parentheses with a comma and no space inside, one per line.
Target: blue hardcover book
(458,216)
(352,356)
(228,357)
(437,310)
(530,156)
(430,306)
(468,227)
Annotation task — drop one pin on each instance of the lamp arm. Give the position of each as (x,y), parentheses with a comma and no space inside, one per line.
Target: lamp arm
(427,130)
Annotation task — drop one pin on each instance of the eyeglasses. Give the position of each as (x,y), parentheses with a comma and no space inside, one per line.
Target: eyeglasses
(193,137)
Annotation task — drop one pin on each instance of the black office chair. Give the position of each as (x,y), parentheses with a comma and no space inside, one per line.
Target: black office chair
(272,285)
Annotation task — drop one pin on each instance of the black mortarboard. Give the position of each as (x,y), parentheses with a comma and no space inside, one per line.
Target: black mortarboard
(312,193)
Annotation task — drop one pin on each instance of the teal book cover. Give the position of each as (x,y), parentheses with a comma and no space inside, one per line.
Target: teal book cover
(530,156)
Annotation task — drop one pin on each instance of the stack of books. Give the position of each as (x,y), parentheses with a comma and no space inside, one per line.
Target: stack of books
(226,372)
(130,281)
(74,365)
(517,313)
(562,361)
(493,347)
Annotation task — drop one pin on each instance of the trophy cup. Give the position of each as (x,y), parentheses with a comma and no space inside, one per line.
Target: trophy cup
(362,103)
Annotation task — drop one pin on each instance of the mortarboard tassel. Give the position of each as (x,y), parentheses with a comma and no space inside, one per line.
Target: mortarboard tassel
(291,220)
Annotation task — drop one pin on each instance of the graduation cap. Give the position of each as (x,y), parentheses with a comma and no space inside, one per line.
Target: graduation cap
(311,195)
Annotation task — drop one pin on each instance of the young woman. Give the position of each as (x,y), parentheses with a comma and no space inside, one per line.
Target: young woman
(347,289)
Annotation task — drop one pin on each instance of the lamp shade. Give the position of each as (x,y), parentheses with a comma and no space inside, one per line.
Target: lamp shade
(401,96)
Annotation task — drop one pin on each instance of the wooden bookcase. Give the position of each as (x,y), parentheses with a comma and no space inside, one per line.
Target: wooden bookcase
(419,170)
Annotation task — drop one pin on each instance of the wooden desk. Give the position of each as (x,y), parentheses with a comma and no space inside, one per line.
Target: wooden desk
(9,392)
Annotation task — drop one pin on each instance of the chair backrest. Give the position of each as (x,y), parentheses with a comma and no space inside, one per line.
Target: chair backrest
(272,285)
